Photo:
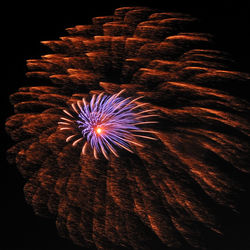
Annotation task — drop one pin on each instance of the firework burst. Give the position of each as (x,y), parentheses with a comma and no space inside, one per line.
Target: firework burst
(181,191)
(108,122)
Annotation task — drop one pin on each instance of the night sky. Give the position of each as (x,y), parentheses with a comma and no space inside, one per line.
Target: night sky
(24,26)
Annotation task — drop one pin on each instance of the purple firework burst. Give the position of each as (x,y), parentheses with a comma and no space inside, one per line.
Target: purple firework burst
(108,122)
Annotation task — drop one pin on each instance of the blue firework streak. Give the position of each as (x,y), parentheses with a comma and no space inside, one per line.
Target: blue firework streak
(108,122)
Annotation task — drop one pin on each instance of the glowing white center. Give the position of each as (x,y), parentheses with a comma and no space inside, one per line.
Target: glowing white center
(99,130)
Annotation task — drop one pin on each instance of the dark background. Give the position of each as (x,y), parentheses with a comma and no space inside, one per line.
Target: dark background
(23,27)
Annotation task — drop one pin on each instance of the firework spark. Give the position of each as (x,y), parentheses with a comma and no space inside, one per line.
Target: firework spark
(108,122)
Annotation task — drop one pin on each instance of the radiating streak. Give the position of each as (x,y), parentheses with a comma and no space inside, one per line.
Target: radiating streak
(146,116)
(136,99)
(84,102)
(70,137)
(77,141)
(104,152)
(98,98)
(65,119)
(95,154)
(84,148)
(79,106)
(63,123)
(132,101)
(115,96)
(74,108)
(138,123)
(92,101)
(145,131)
(66,112)
(133,142)
(146,137)
(124,147)
(116,140)
(110,147)
(111,98)
(122,103)
(64,128)
(147,110)
(138,106)
(120,92)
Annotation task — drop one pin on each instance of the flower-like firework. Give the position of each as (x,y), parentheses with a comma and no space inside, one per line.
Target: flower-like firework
(108,121)
(179,191)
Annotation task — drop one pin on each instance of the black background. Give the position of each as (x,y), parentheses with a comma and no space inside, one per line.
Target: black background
(24,25)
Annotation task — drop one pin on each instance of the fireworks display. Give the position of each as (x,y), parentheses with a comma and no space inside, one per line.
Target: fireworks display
(135,134)
(108,121)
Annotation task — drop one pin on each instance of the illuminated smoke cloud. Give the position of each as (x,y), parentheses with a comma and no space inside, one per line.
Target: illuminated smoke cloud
(188,188)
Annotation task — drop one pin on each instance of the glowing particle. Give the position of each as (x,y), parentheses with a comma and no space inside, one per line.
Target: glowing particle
(99,130)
